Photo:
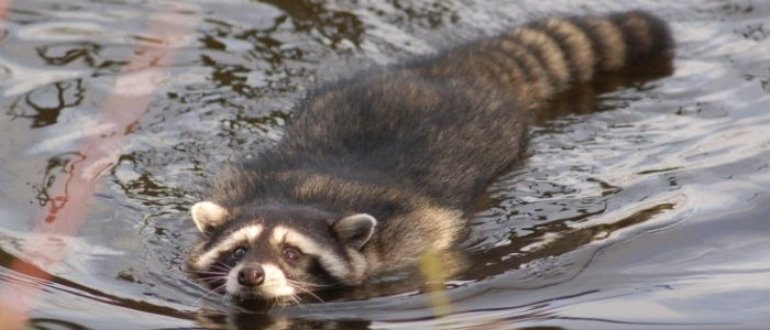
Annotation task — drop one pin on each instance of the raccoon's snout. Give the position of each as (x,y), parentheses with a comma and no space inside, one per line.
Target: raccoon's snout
(251,276)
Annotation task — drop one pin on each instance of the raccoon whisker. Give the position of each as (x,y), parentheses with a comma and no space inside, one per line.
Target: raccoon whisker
(283,301)
(296,300)
(212,276)
(209,293)
(211,273)
(212,279)
(214,282)
(296,286)
(289,299)
(218,287)
(221,264)
(226,297)
(308,284)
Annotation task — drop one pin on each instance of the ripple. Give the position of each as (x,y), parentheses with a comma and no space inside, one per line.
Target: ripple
(640,204)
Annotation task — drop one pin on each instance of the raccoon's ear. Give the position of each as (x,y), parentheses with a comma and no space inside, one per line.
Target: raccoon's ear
(355,230)
(208,215)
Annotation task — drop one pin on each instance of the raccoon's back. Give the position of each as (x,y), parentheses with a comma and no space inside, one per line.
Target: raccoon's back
(444,126)
(401,129)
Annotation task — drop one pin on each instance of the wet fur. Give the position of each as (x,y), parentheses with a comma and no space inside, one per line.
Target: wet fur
(415,145)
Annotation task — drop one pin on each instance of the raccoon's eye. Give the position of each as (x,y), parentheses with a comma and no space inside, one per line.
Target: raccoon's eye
(238,253)
(291,254)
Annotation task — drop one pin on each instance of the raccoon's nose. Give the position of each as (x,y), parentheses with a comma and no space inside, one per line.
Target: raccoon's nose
(251,276)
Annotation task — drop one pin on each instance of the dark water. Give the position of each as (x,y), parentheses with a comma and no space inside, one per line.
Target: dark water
(645,206)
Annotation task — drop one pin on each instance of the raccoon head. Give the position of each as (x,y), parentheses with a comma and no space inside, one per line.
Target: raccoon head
(278,251)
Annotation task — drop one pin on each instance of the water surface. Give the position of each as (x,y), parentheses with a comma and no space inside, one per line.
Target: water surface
(644,205)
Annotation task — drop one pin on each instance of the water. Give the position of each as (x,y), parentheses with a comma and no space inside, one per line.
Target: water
(643,206)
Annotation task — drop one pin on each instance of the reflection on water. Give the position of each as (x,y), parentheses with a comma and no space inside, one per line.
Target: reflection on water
(43,106)
(641,203)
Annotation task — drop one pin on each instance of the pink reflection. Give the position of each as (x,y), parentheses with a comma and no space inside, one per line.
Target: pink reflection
(72,195)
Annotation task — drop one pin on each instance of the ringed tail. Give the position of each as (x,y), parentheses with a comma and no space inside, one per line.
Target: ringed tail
(542,58)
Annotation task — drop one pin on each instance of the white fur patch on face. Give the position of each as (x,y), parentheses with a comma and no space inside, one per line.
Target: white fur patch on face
(331,262)
(246,235)
(231,281)
(275,284)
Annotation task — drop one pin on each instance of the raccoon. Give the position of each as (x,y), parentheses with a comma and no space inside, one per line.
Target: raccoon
(376,170)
